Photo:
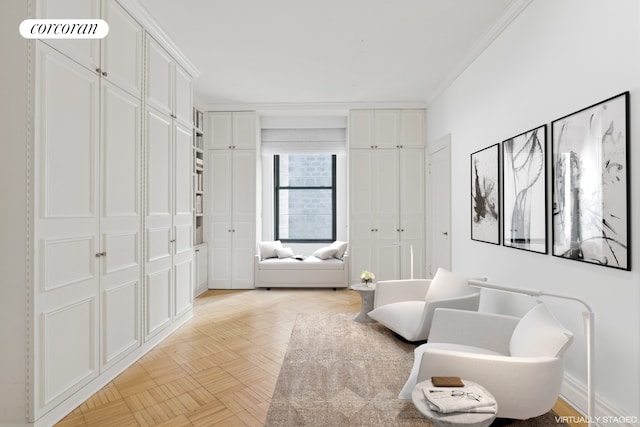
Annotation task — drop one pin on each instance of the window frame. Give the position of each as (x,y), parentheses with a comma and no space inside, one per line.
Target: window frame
(276,198)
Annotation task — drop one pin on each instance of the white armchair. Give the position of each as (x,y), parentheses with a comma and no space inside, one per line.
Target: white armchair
(407,306)
(519,361)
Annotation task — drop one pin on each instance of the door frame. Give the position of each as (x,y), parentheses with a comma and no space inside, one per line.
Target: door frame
(444,143)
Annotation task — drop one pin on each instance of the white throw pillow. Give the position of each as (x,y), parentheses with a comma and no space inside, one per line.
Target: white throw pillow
(268,249)
(446,284)
(284,252)
(325,253)
(539,333)
(340,247)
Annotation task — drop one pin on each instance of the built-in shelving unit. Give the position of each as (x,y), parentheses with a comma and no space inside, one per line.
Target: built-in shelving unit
(198,177)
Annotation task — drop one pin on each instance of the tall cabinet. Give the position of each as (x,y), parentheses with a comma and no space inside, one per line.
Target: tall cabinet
(106,196)
(232,165)
(168,287)
(387,193)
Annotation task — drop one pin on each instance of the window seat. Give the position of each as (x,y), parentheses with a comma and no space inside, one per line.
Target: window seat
(313,272)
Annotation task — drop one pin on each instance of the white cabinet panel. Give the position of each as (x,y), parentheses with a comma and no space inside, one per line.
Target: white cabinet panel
(219,131)
(158,300)
(412,129)
(245,134)
(387,128)
(67,261)
(183,97)
(122,251)
(159,136)
(158,243)
(183,175)
(70,350)
(183,235)
(121,316)
(361,133)
(67,127)
(121,133)
(159,78)
(183,288)
(122,49)
(87,51)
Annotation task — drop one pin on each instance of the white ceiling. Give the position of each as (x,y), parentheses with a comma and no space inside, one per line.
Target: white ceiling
(328,52)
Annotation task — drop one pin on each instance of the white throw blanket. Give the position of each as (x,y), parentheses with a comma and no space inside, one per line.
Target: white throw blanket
(459,399)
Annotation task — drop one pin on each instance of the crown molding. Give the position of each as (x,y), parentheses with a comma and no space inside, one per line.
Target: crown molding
(141,14)
(513,11)
(312,108)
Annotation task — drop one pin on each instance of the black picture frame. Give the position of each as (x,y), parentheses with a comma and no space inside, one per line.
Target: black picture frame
(591,180)
(524,191)
(485,195)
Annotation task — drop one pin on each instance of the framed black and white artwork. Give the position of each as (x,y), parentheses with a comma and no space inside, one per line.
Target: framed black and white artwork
(591,184)
(485,195)
(524,192)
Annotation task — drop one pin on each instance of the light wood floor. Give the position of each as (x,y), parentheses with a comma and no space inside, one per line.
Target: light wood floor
(218,369)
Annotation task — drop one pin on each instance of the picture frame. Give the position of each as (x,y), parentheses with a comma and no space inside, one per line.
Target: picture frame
(524,191)
(590,180)
(485,195)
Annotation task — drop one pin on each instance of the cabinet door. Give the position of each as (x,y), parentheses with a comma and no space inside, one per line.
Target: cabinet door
(220,165)
(120,223)
(219,132)
(66,277)
(182,220)
(245,134)
(361,129)
(159,72)
(387,128)
(244,218)
(412,210)
(86,52)
(412,129)
(183,97)
(122,49)
(384,177)
(159,263)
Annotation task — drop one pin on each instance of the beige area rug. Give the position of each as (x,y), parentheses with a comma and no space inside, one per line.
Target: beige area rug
(338,372)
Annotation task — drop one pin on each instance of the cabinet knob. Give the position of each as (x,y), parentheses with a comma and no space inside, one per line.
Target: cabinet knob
(172,241)
(104,73)
(444,233)
(101,254)
(98,70)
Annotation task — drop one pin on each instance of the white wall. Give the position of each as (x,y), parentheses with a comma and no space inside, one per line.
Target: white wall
(555,58)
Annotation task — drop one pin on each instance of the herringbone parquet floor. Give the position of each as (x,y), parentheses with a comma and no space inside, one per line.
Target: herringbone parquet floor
(219,369)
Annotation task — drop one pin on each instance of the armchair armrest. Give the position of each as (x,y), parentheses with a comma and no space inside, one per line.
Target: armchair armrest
(485,330)
(390,291)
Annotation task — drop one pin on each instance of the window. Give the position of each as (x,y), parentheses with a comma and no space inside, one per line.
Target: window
(305,197)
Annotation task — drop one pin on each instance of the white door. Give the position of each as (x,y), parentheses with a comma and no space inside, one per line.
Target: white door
(244,218)
(361,133)
(412,214)
(439,206)
(385,179)
(245,134)
(159,80)
(387,128)
(220,164)
(66,282)
(159,264)
(182,219)
(219,132)
(120,223)
(85,52)
(121,50)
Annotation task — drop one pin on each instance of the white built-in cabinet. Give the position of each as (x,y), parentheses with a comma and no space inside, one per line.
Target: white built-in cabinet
(169,269)
(112,256)
(232,170)
(387,193)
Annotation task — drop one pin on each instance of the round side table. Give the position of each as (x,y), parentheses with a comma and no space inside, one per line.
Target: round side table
(367,293)
(454,419)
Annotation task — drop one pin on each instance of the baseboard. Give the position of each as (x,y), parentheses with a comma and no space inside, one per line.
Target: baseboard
(574,393)
(75,400)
